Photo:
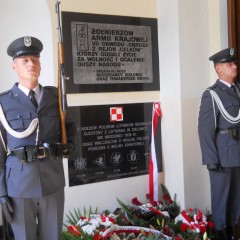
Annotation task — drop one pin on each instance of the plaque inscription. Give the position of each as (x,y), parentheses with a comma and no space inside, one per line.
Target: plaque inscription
(106,53)
(111,53)
(112,142)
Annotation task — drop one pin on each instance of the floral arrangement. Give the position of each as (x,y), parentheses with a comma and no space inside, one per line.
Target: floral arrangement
(191,224)
(145,221)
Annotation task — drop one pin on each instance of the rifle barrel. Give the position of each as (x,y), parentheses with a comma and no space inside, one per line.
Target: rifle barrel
(62,99)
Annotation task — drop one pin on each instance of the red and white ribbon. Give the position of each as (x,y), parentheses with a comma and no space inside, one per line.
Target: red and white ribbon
(153,167)
(198,220)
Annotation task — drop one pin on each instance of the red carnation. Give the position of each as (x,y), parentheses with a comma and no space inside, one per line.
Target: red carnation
(136,202)
(148,196)
(190,210)
(211,224)
(166,197)
(177,238)
(184,227)
(154,203)
(97,236)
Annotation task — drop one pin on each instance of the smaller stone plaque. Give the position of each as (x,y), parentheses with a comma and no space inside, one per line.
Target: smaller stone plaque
(112,142)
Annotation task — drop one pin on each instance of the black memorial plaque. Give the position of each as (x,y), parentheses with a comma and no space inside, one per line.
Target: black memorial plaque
(110,53)
(112,142)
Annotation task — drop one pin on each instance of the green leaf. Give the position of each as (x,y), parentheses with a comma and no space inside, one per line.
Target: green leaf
(165,190)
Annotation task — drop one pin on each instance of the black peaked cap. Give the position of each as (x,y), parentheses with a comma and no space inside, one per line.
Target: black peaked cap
(226,55)
(25,46)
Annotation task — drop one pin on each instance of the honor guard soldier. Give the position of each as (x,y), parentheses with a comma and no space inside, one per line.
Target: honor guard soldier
(31,169)
(219,135)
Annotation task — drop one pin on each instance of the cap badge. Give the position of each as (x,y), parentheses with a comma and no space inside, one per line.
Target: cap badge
(232,52)
(27,41)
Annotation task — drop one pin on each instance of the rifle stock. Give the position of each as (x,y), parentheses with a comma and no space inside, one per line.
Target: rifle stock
(62,99)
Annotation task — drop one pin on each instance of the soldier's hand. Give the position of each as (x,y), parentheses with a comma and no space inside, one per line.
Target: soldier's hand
(214,167)
(67,150)
(7,208)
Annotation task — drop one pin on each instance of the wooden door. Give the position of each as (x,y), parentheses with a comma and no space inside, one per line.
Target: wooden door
(234,27)
(234,40)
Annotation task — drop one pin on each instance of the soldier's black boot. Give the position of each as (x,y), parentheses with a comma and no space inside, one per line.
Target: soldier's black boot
(223,235)
(233,233)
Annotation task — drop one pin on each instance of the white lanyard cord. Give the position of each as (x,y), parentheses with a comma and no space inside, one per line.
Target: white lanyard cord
(222,109)
(14,133)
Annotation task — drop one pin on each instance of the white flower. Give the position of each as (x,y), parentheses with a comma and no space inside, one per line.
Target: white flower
(89,229)
(107,223)
(82,222)
(95,222)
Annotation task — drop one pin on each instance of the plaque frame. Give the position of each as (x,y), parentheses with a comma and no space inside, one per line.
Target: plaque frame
(69,17)
(101,138)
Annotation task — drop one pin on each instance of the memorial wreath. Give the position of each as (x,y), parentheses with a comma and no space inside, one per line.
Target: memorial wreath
(145,221)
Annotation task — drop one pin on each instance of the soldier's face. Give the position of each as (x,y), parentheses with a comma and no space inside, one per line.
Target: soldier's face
(27,68)
(227,71)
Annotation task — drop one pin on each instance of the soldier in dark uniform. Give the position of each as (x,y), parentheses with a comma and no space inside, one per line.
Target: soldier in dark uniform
(31,169)
(219,135)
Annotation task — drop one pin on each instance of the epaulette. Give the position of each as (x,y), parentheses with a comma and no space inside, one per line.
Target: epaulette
(5,93)
(52,89)
(212,87)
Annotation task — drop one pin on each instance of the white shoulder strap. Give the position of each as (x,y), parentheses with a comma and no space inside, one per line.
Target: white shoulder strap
(3,142)
(222,109)
(14,133)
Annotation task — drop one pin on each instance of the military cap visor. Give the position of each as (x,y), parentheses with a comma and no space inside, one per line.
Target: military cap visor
(25,46)
(226,55)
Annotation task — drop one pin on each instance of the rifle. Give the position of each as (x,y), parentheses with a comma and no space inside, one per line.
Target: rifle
(62,99)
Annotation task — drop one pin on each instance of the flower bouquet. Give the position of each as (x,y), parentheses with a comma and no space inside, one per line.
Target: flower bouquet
(192,224)
(104,226)
(146,221)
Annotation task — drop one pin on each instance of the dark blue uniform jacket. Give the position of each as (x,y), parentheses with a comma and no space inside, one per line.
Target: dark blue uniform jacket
(41,177)
(217,147)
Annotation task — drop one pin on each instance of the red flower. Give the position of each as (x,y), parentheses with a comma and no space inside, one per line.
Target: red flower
(203,228)
(177,238)
(184,227)
(199,217)
(211,224)
(166,231)
(167,198)
(190,210)
(154,203)
(148,196)
(97,236)
(74,230)
(136,202)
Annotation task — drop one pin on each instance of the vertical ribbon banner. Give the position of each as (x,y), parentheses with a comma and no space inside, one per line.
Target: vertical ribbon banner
(153,166)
